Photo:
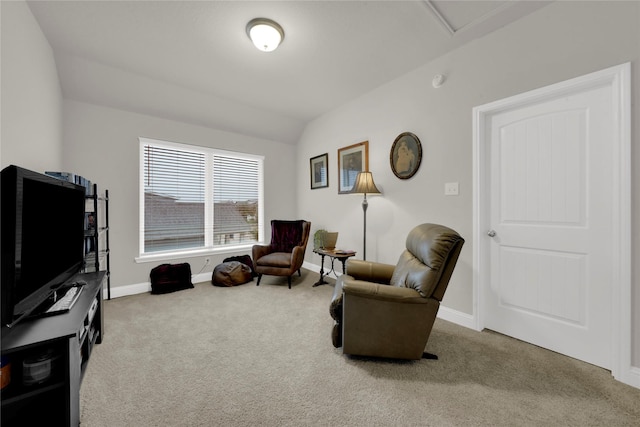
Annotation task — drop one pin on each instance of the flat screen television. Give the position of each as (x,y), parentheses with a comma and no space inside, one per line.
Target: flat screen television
(42,239)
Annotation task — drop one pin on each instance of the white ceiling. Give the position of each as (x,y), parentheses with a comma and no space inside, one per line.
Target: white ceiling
(192,60)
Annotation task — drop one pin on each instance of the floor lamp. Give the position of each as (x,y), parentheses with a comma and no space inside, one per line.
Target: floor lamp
(364,184)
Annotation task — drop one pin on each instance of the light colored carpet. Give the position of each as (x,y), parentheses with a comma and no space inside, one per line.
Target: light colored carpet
(262,356)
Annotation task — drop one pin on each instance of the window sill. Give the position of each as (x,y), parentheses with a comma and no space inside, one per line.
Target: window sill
(169,256)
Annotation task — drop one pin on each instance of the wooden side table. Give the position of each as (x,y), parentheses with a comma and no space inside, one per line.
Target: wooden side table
(333,255)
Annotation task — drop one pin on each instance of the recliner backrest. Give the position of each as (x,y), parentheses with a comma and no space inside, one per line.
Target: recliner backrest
(428,262)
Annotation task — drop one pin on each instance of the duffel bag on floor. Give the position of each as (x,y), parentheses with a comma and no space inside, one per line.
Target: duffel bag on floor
(167,278)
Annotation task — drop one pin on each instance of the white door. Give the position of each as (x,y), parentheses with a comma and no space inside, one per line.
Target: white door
(550,246)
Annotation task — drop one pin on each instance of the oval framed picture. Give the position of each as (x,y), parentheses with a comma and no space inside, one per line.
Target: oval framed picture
(405,155)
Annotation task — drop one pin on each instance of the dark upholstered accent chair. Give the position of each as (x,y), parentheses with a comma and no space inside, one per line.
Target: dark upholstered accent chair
(383,310)
(285,254)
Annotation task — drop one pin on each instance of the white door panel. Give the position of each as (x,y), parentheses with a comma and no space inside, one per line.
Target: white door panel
(550,177)
(543,283)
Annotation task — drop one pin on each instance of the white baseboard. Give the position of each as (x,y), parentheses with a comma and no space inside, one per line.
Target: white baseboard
(123,291)
(631,377)
(199,278)
(316,269)
(141,288)
(311,267)
(457,317)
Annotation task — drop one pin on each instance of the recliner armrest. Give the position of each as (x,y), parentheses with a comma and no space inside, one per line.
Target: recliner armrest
(380,292)
(370,271)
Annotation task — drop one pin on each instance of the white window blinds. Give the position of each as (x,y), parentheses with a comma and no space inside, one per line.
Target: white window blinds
(236,189)
(198,198)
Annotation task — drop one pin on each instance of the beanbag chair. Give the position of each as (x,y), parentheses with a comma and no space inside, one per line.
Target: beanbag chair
(231,273)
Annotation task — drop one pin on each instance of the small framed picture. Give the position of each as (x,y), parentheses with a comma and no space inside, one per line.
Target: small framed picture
(351,160)
(405,155)
(319,169)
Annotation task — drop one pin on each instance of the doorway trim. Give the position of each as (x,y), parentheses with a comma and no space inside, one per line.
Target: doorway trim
(617,78)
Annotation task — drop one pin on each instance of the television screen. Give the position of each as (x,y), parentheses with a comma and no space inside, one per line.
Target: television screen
(42,238)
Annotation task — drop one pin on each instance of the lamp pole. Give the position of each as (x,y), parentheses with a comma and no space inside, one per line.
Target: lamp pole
(364,184)
(365,205)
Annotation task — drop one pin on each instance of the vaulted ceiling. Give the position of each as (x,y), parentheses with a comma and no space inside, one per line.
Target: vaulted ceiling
(192,60)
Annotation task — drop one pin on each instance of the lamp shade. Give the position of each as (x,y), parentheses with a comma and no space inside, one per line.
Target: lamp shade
(364,184)
(265,34)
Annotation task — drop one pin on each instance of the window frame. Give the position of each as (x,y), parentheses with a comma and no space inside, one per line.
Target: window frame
(209,247)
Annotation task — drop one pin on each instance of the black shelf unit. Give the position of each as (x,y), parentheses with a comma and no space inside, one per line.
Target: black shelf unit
(67,340)
(97,251)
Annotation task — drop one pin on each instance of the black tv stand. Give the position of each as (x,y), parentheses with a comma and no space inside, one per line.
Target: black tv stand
(67,340)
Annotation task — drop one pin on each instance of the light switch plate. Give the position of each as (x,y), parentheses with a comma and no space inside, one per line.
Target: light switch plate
(451,189)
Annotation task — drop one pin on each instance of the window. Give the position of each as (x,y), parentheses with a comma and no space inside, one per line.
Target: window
(198,199)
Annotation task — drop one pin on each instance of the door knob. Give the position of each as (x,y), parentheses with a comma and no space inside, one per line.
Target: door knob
(491,233)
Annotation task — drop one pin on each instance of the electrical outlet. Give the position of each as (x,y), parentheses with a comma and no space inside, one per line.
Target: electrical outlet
(451,189)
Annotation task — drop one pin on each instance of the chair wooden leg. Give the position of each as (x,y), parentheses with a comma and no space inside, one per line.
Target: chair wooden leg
(289,279)
(299,273)
(259,277)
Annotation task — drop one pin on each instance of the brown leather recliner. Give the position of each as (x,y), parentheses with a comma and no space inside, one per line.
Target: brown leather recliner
(285,254)
(388,311)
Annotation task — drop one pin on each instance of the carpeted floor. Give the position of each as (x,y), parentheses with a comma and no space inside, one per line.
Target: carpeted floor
(262,356)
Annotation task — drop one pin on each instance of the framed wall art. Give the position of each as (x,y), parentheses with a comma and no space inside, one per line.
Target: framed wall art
(319,170)
(405,155)
(351,160)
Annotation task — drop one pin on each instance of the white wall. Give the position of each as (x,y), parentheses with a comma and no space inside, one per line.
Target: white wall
(101,144)
(31,100)
(558,42)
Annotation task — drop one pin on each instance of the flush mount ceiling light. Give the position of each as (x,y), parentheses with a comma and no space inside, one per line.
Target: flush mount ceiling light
(265,34)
